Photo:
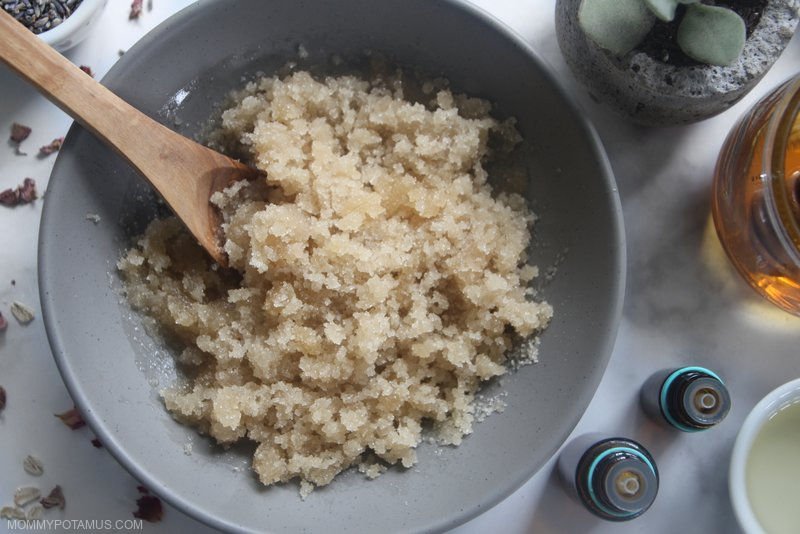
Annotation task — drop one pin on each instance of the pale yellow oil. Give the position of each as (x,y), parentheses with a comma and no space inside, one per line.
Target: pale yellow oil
(773,473)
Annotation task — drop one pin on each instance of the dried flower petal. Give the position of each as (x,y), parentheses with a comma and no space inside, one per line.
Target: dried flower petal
(149,509)
(23,313)
(55,498)
(2,398)
(54,146)
(27,191)
(3,322)
(96,443)
(12,512)
(9,197)
(87,70)
(136,10)
(23,194)
(19,132)
(33,466)
(26,495)
(72,418)
(35,512)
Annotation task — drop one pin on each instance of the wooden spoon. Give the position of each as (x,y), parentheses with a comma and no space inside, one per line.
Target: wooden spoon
(185,173)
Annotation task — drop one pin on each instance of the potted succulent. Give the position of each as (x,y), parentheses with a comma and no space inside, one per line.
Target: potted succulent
(664,62)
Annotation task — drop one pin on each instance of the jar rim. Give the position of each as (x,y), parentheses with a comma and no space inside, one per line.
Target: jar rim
(776,147)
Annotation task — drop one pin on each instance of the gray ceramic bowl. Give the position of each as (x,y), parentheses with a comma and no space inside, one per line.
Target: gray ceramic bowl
(114,370)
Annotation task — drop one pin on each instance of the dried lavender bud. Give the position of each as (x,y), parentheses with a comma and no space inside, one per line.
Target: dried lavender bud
(27,191)
(26,495)
(2,398)
(19,132)
(72,419)
(40,15)
(87,70)
(3,322)
(24,314)
(96,443)
(54,146)
(149,509)
(33,466)
(136,10)
(55,498)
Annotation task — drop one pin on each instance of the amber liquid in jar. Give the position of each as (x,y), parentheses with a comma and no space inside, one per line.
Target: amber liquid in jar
(756,203)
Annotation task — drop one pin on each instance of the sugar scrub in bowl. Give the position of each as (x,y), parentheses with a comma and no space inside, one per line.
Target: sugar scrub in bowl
(379,280)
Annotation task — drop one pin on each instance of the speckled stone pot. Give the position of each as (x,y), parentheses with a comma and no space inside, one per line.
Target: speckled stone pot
(655,93)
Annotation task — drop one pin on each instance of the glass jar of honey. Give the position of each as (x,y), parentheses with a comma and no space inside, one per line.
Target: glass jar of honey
(756,196)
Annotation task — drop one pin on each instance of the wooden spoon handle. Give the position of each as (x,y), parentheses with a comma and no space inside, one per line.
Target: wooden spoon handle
(185,173)
(85,100)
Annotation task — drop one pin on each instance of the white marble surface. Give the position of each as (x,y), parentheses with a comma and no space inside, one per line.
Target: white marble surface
(684,305)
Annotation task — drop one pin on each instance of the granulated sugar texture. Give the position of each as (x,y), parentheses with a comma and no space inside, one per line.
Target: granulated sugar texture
(378,281)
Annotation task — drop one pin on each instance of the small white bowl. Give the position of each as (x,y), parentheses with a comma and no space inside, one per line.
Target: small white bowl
(75,27)
(774,401)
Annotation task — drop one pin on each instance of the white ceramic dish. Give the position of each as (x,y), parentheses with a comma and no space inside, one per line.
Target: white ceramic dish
(75,27)
(776,400)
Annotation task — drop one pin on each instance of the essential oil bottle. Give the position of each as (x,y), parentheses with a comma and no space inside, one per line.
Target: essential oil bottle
(690,399)
(614,478)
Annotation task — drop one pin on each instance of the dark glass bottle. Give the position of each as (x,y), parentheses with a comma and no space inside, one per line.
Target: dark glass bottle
(614,478)
(690,399)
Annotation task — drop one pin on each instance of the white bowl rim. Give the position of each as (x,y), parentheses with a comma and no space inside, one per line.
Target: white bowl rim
(751,427)
(78,17)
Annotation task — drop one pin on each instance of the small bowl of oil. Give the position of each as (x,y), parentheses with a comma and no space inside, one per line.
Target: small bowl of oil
(765,465)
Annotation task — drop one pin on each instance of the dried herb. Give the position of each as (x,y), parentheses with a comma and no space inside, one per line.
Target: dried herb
(33,466)
(3,322)
(54,146)
(26,495)
(2,398)
(24,314)
(141,489)
(12,512)
(72,418)
(149,509)
(9,197)
(19,132)
(35,512)
(136,10)
(96,443)
(55,498)
(25,193)
(87,70)
(41,15)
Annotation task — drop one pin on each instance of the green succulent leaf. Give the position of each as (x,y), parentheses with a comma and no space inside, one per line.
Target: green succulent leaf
(665,9)
(615,25)
(713,35)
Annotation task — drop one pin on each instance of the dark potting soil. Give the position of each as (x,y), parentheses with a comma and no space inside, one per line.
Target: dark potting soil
(661,43)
